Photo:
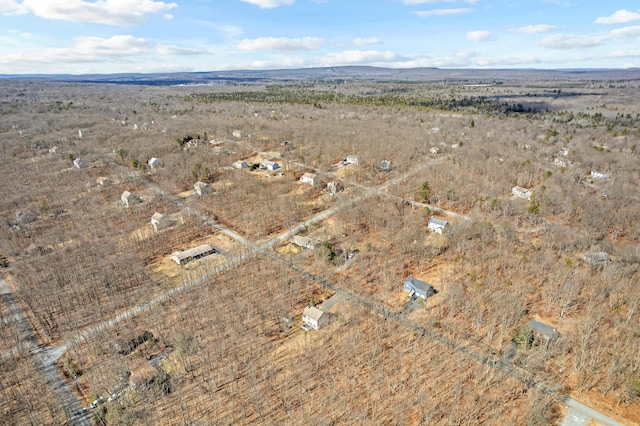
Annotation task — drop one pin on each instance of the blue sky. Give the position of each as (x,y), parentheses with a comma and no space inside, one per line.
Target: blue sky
(108,36)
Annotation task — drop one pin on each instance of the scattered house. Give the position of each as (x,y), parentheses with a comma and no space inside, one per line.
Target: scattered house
(385,166)
(541,330)
(334,187)
(416,287)
(309,178)
(53,150)
(352,159)
(79,163)
(240,164)
(104,181)
(24,217)
(521,192)
(154,163)
(128,342)
(285,143)
(129,199)
(439,226)
(203,188)
(434,150)
(81,133)
(269,165)
(160,221)
(182,257)
(237,134)
(564,151)
(314,318)
(142,375)
(301,241)
(596,259)
(598,174)
(560,162)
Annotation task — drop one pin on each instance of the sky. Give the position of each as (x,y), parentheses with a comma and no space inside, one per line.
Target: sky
(122,36)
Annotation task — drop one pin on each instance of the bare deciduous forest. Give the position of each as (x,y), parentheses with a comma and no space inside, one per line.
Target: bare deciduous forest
(136,338)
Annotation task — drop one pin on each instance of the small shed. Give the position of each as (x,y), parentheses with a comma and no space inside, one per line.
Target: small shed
(309,178)
(385,166)
(597,258)
(521,192)
(301,241)
(154,163)
(434,150)
(195,253)
(560,162)
(160,221)
(237,134)
(599,174)
(104,181)
(203,188)
(439,226)
(315,318)
(541,330)
(129,199)
(240,164)
(334,187)
(269,165)
(79,163)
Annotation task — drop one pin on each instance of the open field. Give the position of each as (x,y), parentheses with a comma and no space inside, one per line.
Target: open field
(218,340)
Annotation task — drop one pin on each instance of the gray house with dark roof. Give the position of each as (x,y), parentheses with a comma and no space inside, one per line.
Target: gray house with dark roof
(416,287)
(542,330)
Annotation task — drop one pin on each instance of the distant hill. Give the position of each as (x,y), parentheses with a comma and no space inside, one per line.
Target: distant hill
(364,73)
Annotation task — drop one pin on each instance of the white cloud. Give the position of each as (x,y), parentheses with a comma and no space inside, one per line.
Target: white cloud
(349,57)
(85,49)
(413,2)
(166,49)
(566,41)
(270,4)
(479,36)
(110,12)
(459,59)
(620,17)
(506,61)
(442,12)
(366,41)
(282,43)
(625,53)
(626,31)
(533,29)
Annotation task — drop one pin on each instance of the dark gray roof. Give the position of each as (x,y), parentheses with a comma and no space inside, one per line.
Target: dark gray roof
(542,328)
(439,222)
(420,285)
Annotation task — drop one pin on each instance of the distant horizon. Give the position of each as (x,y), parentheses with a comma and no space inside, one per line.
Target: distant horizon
(150,36)
(310,68)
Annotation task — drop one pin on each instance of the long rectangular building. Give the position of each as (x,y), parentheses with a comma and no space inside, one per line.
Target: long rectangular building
(182,257)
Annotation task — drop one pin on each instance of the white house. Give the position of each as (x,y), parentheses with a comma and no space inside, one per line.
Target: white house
(352,159)
(129,199)
(314,318)
(237,134)
(160,221)
(596,259)
(598,174)
(385,166)
(434,150)
(269,165)
(202,188)
(521,192)
(439,226)
(334,187)
(240,164)
(309,178)
(560,162)
(105,181)
(195,253)
(154,163)
(79,163)
(301,241)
